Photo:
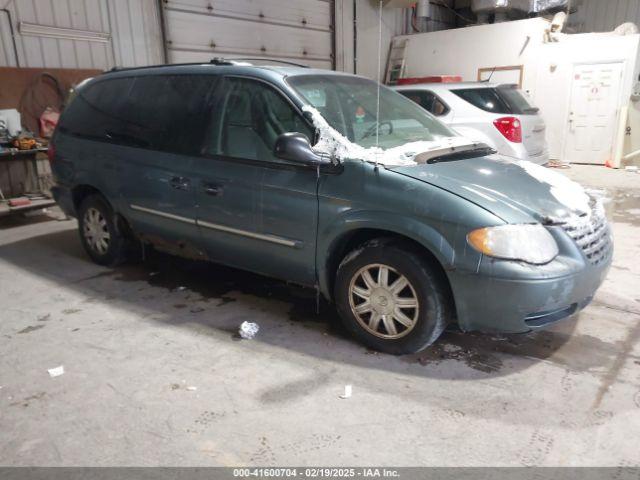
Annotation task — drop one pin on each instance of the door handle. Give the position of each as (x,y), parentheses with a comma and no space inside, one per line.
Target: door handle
(180,183)
(212,189)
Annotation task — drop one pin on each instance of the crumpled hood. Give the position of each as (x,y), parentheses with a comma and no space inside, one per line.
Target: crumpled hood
(517,192)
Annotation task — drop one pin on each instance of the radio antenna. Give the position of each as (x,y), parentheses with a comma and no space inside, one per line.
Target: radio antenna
(378,86)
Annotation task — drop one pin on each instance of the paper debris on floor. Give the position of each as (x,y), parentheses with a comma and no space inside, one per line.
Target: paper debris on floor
(248,330)
(348,390)
(192,389)
(56,372)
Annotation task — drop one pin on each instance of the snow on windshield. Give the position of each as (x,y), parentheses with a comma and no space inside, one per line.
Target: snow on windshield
(334,144)
(569,193)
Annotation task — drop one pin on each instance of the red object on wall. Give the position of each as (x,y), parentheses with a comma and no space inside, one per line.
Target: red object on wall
(48,122)
(432,79)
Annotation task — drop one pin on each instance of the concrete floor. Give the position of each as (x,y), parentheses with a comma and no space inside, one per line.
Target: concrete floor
(134,341)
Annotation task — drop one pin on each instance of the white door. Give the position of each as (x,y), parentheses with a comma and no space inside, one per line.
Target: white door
(593,113)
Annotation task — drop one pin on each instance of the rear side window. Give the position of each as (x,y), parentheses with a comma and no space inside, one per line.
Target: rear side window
(158,112)
(427,100)
(503,100)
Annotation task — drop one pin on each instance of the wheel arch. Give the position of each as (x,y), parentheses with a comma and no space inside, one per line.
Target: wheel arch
(80,192)
(350,240)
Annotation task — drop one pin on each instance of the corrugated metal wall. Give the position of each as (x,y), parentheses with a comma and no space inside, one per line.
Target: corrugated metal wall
(136,32)
(603,15)
(80,33)
(105,33)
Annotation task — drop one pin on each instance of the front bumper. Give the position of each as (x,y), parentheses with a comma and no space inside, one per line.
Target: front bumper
(512,297)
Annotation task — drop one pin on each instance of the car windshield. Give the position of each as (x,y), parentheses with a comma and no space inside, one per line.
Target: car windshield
(349,105)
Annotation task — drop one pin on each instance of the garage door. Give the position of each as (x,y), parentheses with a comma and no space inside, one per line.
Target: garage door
(293,30)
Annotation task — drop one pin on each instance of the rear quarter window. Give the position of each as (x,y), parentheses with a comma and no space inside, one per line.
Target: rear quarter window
(95,109)
(506,100)
(157,112)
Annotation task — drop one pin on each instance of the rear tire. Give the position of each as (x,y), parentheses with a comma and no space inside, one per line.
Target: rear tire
(101,238)
(391,298)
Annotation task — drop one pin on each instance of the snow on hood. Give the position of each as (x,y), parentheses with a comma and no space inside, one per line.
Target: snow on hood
(582,204)
(569,193)
(333,143)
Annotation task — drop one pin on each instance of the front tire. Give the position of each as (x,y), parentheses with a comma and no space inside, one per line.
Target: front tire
(391,298)
(103,241)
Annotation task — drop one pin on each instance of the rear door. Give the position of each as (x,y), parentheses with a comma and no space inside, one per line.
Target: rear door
(162,121)
(255,211)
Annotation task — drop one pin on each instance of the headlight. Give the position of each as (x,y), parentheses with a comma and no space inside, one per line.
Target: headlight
(529,243)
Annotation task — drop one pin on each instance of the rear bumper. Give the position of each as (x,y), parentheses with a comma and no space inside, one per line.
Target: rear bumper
(539,159)
(64,199)
(518,305)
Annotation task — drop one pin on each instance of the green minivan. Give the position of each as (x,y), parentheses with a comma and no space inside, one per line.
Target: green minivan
(326,180)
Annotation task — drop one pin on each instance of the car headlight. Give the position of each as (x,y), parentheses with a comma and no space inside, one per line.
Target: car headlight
(528,243)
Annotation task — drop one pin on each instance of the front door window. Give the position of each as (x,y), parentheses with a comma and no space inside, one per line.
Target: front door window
(253,115)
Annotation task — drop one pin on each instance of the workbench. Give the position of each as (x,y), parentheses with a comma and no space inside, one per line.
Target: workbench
(23,174)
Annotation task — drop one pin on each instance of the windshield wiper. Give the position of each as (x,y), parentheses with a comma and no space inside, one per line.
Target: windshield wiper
(475,152)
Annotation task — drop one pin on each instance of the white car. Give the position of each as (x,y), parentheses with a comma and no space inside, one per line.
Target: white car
(496,114)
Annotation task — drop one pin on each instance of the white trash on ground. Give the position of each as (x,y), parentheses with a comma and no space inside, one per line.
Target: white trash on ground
(192,389)
(248,330)
(348,390)
(56,372)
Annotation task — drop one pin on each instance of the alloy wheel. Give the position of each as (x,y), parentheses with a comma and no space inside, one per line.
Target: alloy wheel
(383,301)
(96,231)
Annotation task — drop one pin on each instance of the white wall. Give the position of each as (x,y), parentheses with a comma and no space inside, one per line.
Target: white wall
(464,51)
(132,29)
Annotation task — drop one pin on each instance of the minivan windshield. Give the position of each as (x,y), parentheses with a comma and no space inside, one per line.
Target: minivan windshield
(349,105)
(505,99)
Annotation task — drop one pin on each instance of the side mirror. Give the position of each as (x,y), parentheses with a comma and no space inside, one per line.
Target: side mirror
(295,147)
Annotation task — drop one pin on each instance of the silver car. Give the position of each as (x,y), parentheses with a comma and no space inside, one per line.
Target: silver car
(496,114)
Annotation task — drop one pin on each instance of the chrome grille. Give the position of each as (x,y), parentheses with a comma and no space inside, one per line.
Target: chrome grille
(591,233)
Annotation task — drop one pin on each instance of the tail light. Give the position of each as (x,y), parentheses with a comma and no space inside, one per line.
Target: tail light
(510,128)
(51,153)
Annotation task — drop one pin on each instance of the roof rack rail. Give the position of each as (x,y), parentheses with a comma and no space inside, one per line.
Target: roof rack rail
(221,61)
(145,67)
(214,61)
(266,59)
